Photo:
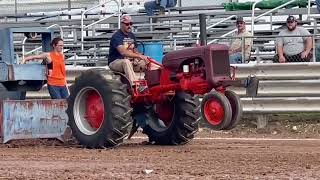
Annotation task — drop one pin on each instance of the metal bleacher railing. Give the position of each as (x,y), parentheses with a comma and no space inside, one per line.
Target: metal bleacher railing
(254,18)
(310,14)
(100,20)
(38,48)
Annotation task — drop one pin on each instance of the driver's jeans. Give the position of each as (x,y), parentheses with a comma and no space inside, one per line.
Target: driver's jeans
(128,67)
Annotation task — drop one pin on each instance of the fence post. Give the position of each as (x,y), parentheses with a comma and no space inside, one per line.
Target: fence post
(203,29)
(262,121)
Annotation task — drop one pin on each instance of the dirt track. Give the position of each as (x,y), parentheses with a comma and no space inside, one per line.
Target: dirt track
(200,159)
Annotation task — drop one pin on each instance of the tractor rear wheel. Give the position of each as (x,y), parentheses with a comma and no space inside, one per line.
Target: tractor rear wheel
(99,109)
(236,107)
(216,110)
(173,122)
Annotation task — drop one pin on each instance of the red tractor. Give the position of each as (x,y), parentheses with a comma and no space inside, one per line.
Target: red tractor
(102,107)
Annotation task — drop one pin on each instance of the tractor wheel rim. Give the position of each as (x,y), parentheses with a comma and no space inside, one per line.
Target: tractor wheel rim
(88,110)
(213,112)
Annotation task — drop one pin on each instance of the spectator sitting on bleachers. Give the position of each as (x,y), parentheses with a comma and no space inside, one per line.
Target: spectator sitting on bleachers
(293,49)
(150,6)
(235,51)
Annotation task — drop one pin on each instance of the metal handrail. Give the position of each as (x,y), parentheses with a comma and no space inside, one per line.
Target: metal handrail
(309,8)
(84,12)
(272,10)
(252,16)
(23,48)
(61,31)
(36,49)
(213,25)
(309,15)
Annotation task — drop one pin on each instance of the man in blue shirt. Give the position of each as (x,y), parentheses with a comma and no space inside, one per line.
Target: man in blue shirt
(123,55)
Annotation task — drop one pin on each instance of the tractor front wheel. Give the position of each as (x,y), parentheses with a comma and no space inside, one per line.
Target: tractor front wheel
(236,107)
(98,109)
(216,110)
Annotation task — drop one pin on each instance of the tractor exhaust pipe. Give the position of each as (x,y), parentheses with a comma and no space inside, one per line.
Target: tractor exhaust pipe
(203,29)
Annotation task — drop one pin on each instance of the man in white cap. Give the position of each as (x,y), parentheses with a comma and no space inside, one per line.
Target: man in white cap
(123,55)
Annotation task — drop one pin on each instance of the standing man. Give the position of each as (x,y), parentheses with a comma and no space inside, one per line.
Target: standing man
(293,49)
(123,55)
(235,50)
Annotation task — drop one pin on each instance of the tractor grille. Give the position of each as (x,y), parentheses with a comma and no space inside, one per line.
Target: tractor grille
(220,61)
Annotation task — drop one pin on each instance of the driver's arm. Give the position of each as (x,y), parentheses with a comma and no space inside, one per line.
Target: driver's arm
(127,53)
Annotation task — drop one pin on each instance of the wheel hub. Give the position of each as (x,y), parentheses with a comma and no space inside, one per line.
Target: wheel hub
(213,112)
(94,109)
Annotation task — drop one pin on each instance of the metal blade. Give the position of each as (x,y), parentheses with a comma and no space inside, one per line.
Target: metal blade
(30,119)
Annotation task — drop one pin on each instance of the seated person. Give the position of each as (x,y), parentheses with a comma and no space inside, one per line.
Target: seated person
(293,49)
(150,6)
(235,51)
(123,56)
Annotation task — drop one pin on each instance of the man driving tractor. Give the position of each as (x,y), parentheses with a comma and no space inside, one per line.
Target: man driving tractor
(123,55)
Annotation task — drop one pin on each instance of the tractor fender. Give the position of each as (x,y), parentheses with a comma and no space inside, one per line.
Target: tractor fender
(123,78)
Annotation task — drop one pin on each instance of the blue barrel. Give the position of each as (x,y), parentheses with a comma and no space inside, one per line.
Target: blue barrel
(151,49)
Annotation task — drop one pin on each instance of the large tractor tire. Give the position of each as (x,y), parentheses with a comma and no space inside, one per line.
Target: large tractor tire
(99,109)
(236,107)
(216,110)
(173,122)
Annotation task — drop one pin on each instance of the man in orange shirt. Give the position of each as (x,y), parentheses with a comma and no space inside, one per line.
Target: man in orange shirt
(57,83)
